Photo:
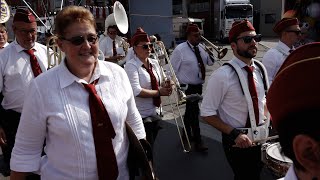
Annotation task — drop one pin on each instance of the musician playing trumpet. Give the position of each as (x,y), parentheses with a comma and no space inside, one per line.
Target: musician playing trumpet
(147,83)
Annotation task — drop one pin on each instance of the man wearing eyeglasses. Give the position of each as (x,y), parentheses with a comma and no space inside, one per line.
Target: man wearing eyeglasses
(234,103)
(3,37)
(111,45)
(188,61)
(20,62)
(289,32)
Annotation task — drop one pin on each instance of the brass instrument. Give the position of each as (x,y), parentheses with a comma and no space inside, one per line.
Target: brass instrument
(5,12)
(54,54)
(119,18)
(221,52)
(179,96)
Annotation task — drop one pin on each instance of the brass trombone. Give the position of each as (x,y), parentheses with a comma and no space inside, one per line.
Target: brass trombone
(54,54)
(179,96)
(221,52)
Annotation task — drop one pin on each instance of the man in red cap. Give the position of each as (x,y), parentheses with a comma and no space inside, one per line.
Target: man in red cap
(294,104)
(20,62)
(188,61)
(234,103)
(289,32)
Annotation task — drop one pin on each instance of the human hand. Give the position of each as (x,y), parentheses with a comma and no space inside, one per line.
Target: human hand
(3,139)
(243,141)
(165,91)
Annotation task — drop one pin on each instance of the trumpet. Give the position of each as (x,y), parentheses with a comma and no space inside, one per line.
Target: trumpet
(179,96)
(220,52)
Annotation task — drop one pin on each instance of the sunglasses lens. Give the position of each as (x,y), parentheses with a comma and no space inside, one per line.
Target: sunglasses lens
(257,38)
(147,46)
(77,40)
(92,39)
(248,39)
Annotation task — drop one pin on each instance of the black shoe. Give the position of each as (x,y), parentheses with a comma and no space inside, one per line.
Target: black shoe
(200,147)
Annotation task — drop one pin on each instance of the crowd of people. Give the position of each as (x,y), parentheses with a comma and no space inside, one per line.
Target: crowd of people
(84,118)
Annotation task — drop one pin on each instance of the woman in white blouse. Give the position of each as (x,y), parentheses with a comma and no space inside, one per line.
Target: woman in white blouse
(147,82)
(57,109)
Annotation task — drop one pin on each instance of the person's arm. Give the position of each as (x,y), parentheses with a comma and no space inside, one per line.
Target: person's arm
(269,62)
(214,95)
(31,133)
(133,74)
(3,139)
(133,119)
(175,60)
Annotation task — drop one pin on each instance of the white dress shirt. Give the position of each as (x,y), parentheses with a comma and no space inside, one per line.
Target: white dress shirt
(5,45)
(16,73)
(291,175)
(140,79)
(56,109)
(274,58)
(185,64)
(106,46)
(224,97)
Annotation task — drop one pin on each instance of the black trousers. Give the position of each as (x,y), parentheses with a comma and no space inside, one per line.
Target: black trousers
(245,162)
(191,116)
(10,127)
(151,126)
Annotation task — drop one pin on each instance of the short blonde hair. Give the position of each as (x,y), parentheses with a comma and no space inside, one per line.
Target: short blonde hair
(70,15)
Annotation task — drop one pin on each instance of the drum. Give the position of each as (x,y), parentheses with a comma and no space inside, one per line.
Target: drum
(276,161)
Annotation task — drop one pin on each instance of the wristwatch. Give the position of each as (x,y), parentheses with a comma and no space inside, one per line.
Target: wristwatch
(235,133)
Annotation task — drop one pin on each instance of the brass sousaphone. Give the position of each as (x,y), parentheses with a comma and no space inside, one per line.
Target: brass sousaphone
(120,19)
(4,12)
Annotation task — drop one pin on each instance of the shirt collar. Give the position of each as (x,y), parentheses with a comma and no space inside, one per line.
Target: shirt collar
(66,78)
(20,48)
(241,63)
(284,47)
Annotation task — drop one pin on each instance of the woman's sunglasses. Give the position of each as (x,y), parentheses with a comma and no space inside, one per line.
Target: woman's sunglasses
(146,46)
(248,39)
(78,40)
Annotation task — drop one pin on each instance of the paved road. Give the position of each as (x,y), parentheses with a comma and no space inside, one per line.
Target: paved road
(171,163)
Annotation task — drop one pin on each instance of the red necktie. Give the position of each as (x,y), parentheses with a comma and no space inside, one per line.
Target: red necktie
(103,133)
(34,62)
(154,85)
(253,92)
(200,62)
(114,49)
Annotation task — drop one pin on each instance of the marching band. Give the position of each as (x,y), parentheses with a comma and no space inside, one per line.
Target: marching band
(128,82)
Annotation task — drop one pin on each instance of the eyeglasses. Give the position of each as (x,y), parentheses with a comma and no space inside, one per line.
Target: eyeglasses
(298,32)
(248,39)
(26,32)
(146,46)
(113,32)
(78,40)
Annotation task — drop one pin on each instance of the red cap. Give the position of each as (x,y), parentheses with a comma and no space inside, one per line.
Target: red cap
(24,15)
(296,85)
(139,36)
(284,23)
(193,28)
(239,27)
